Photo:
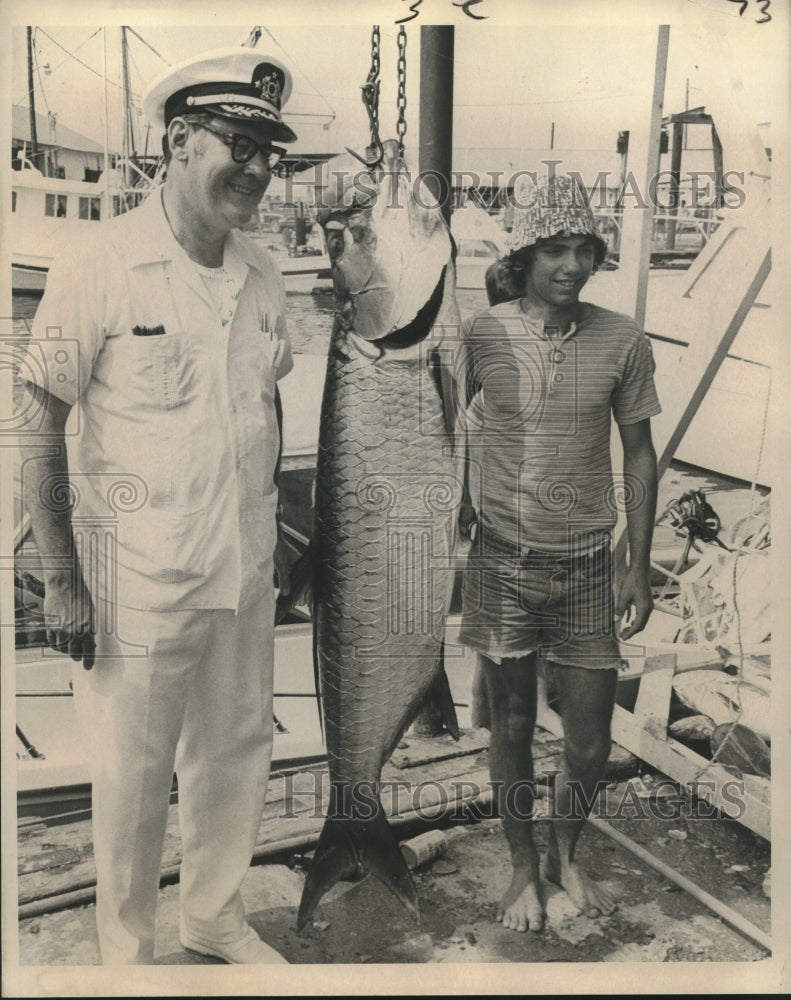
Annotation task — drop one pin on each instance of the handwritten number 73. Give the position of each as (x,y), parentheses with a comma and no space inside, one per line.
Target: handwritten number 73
(763,4)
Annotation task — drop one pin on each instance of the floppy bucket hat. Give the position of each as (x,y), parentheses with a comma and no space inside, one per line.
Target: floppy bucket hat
(547,206)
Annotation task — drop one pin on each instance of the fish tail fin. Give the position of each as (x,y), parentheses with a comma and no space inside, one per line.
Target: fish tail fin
(349,849)
(335,860)
(382,857)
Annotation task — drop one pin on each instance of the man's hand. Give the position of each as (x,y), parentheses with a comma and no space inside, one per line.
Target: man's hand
(68,616)
(635,601)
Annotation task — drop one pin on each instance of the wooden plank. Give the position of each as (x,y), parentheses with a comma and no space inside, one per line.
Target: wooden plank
(415,749)
(711,782)
(49,857)
(652,707)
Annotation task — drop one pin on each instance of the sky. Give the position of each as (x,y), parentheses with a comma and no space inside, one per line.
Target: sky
(517,83)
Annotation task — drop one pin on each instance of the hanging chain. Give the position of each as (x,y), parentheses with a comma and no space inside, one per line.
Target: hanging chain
(370,89)
(401,124)
(371,86)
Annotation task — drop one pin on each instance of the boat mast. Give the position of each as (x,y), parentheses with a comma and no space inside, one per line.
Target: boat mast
(129,152)
(32,98)
(107,203)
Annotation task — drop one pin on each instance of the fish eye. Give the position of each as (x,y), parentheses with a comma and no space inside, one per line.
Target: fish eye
(360,234)
(335,242)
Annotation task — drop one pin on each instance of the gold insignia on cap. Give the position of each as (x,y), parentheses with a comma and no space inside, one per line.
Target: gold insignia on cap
(269,88)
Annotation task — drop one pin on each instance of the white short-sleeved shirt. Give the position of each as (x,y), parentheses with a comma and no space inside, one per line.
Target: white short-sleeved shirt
(539,425)
(173,436)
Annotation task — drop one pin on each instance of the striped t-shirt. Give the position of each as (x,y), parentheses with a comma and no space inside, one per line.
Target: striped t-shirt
(539,422)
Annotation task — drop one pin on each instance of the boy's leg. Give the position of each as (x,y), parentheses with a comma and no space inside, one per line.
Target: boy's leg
(509,689)
(586,699)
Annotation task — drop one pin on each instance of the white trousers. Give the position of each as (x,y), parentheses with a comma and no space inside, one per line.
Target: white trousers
(190,691)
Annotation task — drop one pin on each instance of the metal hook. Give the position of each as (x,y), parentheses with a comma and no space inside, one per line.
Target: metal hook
(371,100)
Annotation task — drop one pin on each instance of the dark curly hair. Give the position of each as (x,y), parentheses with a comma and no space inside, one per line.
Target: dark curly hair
(522,260)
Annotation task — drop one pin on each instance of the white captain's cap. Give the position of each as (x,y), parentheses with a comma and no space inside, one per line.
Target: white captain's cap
(239,83)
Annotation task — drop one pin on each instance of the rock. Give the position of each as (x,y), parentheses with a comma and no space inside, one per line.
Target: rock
(692,727)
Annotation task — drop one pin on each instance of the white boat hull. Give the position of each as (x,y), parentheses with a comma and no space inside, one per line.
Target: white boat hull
(25,278)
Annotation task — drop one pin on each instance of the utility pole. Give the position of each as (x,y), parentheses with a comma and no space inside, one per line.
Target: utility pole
(435,165)
(436,111)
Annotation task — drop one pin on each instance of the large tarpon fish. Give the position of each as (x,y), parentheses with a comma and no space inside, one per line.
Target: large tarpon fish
(385,504)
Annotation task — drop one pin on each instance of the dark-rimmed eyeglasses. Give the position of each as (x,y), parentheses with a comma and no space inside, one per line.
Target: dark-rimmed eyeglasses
(243,148)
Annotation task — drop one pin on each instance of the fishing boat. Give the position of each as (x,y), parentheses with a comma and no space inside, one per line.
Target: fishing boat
(49,211)
(46,212)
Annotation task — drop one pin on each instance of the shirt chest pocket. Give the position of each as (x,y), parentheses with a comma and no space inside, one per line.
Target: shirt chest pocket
(165,371)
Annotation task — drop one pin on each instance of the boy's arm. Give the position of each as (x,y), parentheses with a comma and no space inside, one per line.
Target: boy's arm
(639,466)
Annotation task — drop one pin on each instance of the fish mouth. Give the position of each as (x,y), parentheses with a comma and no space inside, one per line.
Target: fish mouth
(419,328)
(368,289)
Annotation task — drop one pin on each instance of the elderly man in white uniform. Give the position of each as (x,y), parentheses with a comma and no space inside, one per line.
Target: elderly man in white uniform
(151,376)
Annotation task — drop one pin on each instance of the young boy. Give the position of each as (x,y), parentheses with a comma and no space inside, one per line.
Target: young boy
(545,374)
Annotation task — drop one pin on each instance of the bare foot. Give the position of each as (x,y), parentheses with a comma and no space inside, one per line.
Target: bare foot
(520,908)
(588,896)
